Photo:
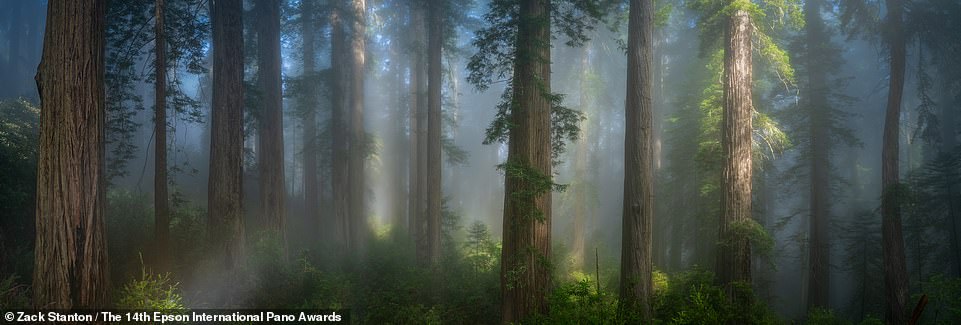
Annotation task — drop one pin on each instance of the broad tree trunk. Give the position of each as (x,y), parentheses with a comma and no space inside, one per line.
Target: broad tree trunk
(357,155)
(895,267)
(638,210)
(270,133)
(70,269)
(311,176)
(225,222)
(338,125)
(819,275)
(161,210)
(734,249)
(525,269)
(435,40)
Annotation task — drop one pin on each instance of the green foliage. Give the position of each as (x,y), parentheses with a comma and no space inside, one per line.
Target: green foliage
(129,63)
(154,292)
(579,302)
(944,304)
(693,298)
(19,143)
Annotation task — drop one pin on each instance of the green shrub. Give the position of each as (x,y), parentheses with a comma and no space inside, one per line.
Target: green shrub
(154,292)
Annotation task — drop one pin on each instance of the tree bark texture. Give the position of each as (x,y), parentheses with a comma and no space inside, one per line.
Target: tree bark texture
(734,250)
(892,246)
(525,269)
(70,269)
(435,40)
(270,146)
(161,207)
(225,222)
(638,210)
(819,262)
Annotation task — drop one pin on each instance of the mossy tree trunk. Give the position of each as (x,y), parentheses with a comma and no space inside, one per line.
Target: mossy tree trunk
(734,249)
(525,266)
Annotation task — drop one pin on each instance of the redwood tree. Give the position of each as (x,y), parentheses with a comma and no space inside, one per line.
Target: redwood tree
(270,146)
(734,250)
(161,210)
(895,268)
(638,210)
(70,269)
(225,223)
(525,273)
(357,216)
(435,42)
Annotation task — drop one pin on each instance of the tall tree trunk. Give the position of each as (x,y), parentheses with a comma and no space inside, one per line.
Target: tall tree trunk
(225,222)
(819,276)
(357,154)
(734,250)
(161,210)
(311,176)
(435,39)
(638,210)
(895,268)
(270,146)
(338,125)
(70,269)
(417,209)
(525,270)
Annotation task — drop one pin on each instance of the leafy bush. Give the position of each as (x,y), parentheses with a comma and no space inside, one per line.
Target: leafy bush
(154,292)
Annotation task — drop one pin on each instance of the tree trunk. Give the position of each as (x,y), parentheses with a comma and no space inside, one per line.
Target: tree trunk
(734,250)
(819,261)
(270,146)
(71,269)
(418,128)
(338,125)
(638,210)
(161,210)
(356,183)
(525,269)
(435,39)
(311,175)
(895,268)
(225,222)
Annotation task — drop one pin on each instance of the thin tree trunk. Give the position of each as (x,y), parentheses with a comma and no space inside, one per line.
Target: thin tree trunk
(311,176)
(819,276)
(734,250)
(70,269)
(435,39)
(418,180)
(270,146)
(895,267)
(357,155)
(638,210)
(161,210)
(225,222)
(338,126)
(525,269)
